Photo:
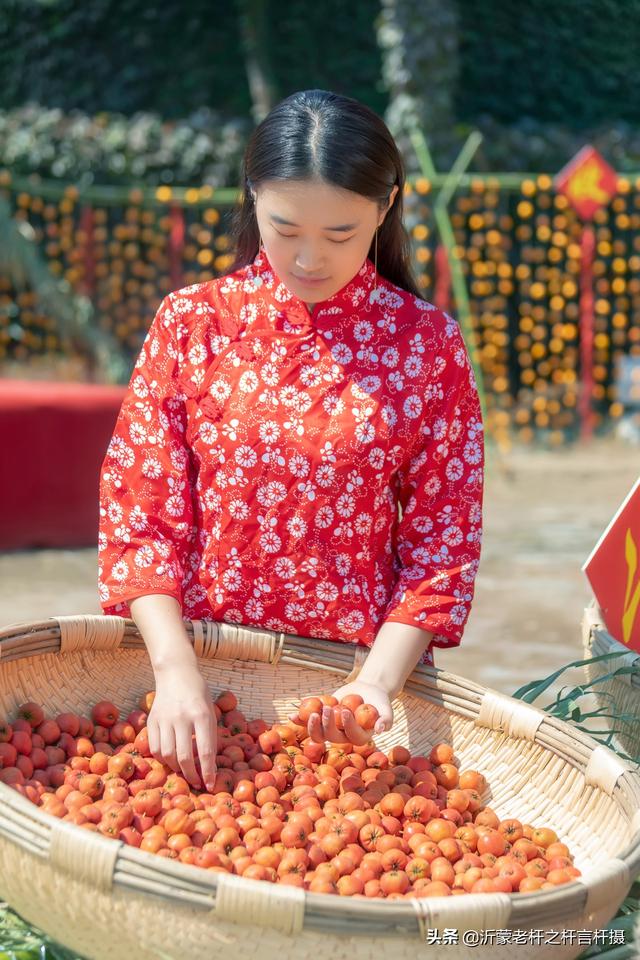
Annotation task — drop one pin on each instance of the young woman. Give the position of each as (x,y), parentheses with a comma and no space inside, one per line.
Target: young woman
(300,447)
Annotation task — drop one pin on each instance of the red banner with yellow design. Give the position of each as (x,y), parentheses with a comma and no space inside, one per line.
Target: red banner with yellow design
(613,570)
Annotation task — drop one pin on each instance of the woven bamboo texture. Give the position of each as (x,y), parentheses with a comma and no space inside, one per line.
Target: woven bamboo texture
(106,899)
(619,695)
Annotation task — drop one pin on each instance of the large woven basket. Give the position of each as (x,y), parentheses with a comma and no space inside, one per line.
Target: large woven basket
(620,695)
(106,899)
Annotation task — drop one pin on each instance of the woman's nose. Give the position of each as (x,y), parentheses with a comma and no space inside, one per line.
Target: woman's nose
(309,261)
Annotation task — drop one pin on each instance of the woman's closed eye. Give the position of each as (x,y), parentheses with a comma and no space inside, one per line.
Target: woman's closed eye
(291,236)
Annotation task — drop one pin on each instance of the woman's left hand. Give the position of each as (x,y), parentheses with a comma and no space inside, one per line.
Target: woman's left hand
(322,727)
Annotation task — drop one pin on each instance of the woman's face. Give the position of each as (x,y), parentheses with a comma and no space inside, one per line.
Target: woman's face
(316,236)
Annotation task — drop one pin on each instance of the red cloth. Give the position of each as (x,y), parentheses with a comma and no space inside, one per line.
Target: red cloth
(53,438)
(262,451)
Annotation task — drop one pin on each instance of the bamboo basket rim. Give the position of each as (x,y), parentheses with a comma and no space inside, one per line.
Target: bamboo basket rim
(115,863)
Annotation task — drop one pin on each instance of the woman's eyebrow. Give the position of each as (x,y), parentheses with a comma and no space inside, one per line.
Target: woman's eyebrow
(287,223)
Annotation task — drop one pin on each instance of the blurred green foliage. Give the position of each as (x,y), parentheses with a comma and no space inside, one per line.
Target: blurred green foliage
(173,58)
(573,62)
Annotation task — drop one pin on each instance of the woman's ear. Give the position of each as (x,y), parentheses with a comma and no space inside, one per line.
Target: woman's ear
(392,197)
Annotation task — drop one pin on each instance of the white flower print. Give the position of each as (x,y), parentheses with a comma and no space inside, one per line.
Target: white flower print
(121,453)
(365,432)
(246,456)
(137,518)
(454,469)
(269,374)
(458,613)
(212,500)
(232,579)
(370,384)
(248,313)
(208,432)
(363,331)
(197,354)
(297,527)
(441,581)
(175,505)
(455,429)
(327,591)
(433,486)
(302,402)
(333,405)
(238,509)
(271,493)
(284,567)
(310,376)
(324,517)
(376,458)
(475,513)
(120,571)
(343,564)
(422,524)
(294,612)
(270,541)
(248,382)
(341,353)
(389,298)
(114,512)
(269,431)
(389,415)
(325,475)
(352,622)
(139,388)
(412,406)
(299,465)
(412,366)
(345,505)
(220,389)
(472,452)
(439,428)
(452,536)
(288,396)
(362,524)
(391,357)
(254,609)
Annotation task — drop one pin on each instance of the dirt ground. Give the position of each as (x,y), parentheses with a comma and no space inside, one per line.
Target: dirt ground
(544,511)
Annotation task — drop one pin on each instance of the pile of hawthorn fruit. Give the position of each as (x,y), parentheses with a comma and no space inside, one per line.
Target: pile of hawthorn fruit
(336,819)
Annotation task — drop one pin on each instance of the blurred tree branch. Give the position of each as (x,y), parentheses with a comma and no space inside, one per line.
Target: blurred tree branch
(419,40)
(255,43)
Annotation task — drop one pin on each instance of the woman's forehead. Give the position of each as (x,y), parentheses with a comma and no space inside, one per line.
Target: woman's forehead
(335,206)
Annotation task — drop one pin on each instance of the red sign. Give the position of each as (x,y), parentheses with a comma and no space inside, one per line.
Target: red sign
(613,570)
(588,182)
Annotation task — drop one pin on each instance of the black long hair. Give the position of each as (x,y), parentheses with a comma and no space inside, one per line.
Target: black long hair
(315,134)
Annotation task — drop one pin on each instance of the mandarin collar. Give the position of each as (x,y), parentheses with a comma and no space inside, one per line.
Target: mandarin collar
(360,294)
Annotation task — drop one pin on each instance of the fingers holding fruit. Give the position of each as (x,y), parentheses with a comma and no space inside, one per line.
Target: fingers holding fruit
(346,717)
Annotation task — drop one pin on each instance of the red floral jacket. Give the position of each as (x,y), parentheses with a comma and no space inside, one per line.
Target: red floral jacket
(318,473)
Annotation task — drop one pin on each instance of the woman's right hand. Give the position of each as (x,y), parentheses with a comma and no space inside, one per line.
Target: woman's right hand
(182,706)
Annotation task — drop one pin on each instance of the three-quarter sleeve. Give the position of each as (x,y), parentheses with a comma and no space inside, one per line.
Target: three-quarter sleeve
(440,488)
(146,525)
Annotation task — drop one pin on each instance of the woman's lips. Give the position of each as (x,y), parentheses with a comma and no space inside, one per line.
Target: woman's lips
(313,282)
